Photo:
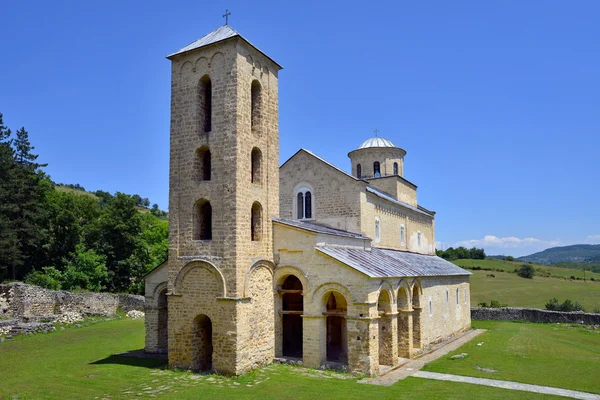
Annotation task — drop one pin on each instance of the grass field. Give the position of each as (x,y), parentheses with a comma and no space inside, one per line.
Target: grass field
(543,354)
(509,288)
(515,291)
(78,363)
(510,266)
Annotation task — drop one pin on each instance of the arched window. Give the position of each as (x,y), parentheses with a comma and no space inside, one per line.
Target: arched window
(430,307)
(456,296)
(203,164)
(202,220)
(304,203)
(256,222)
(395,168)
(256,157)
(255,103)
(377,229)
(205,92)
(402,235)
(447,296)
(358,171)
(376,169)
(419,239)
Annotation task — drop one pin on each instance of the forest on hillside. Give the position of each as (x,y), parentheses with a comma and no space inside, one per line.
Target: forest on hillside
(72,240)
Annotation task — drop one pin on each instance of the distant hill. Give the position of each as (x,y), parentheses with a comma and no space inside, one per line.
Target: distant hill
(578,253)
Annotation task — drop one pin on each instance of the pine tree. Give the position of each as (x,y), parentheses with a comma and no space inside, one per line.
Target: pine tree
(10,254)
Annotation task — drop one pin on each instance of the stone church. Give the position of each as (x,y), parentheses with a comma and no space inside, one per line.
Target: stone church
(302,261)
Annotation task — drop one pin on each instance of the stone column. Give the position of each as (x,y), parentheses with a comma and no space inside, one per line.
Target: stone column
(405,332)
(388,339)
(151,324)
(363,349)
(314,340)
(417,328)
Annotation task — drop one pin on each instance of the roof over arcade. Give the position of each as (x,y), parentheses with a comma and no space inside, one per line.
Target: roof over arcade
(218,35)
(388,263)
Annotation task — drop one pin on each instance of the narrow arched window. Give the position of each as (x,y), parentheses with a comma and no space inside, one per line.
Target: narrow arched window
(419,239)
(255,103)
(205,92)
(395,168)
(305,202)
(202,220)
(376,169)
(300,205)
(402,235)
(307,205)
(256,157)
(203,164)
(377,230)
(256,222)
(457,296)
(359,171)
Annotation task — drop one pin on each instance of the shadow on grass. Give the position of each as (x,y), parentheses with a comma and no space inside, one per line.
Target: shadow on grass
(136,358)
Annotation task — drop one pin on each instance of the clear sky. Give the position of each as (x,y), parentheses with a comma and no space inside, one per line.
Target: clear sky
(497,103)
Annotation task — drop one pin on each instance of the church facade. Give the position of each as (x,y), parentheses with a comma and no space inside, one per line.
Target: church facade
(302,261)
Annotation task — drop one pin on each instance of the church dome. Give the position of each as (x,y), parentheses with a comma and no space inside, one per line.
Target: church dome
(376,142)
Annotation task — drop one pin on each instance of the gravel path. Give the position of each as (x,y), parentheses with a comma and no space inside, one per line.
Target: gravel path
(508,385)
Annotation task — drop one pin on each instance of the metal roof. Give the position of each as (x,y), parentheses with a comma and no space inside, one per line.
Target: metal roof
(221,33)
(376,142)
(390,198)
(387,263)
(317,228)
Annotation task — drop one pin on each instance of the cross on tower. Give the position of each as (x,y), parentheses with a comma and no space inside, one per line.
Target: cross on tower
(376,131)
(226,16)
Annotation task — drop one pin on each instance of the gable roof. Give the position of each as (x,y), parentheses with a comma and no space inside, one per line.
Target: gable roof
(218,35)
(325,162)
(318,228)
(386,196)
(388,263)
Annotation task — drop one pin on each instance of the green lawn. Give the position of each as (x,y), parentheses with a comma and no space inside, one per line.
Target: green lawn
(511,289)
(558,355)
(78,364)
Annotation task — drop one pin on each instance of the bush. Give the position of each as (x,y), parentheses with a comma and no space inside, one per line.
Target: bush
(48,278)
(493,304)
(491,275)
(526,271)
(567,306)
(509,258)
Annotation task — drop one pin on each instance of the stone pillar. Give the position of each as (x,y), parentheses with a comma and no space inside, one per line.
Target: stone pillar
(417,328)
(388,339)
(151,324)
(363,349)
(314,340)
(405,333)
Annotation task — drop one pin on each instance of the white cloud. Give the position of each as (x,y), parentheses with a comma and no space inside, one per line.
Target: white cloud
(510,242)
(593,239)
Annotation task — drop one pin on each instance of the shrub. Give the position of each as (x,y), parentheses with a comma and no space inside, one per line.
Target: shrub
(493,304)
(526,271)
(491,275)
(48,278)
(509,258)
(567,306)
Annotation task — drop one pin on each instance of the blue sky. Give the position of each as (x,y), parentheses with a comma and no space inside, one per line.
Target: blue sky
(496,103)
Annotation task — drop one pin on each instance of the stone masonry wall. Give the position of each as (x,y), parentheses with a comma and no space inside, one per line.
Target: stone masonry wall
(533,315)
(22,301)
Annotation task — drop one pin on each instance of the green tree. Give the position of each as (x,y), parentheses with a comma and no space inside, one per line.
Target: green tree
(526,271)
(87,270)
(10,253)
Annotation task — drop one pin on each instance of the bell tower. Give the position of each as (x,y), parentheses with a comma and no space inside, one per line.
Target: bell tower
(223,194)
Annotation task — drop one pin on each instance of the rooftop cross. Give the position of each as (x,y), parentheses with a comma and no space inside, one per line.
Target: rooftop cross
(226,16)
(376,131)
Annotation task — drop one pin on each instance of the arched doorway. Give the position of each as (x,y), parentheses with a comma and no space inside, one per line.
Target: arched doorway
(202,343)
(292,308)
(384,309)
(416,317)
(337,332)
(163,322)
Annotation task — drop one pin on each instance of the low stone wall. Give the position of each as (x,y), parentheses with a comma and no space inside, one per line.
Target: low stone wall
(25,302)
(533,315)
